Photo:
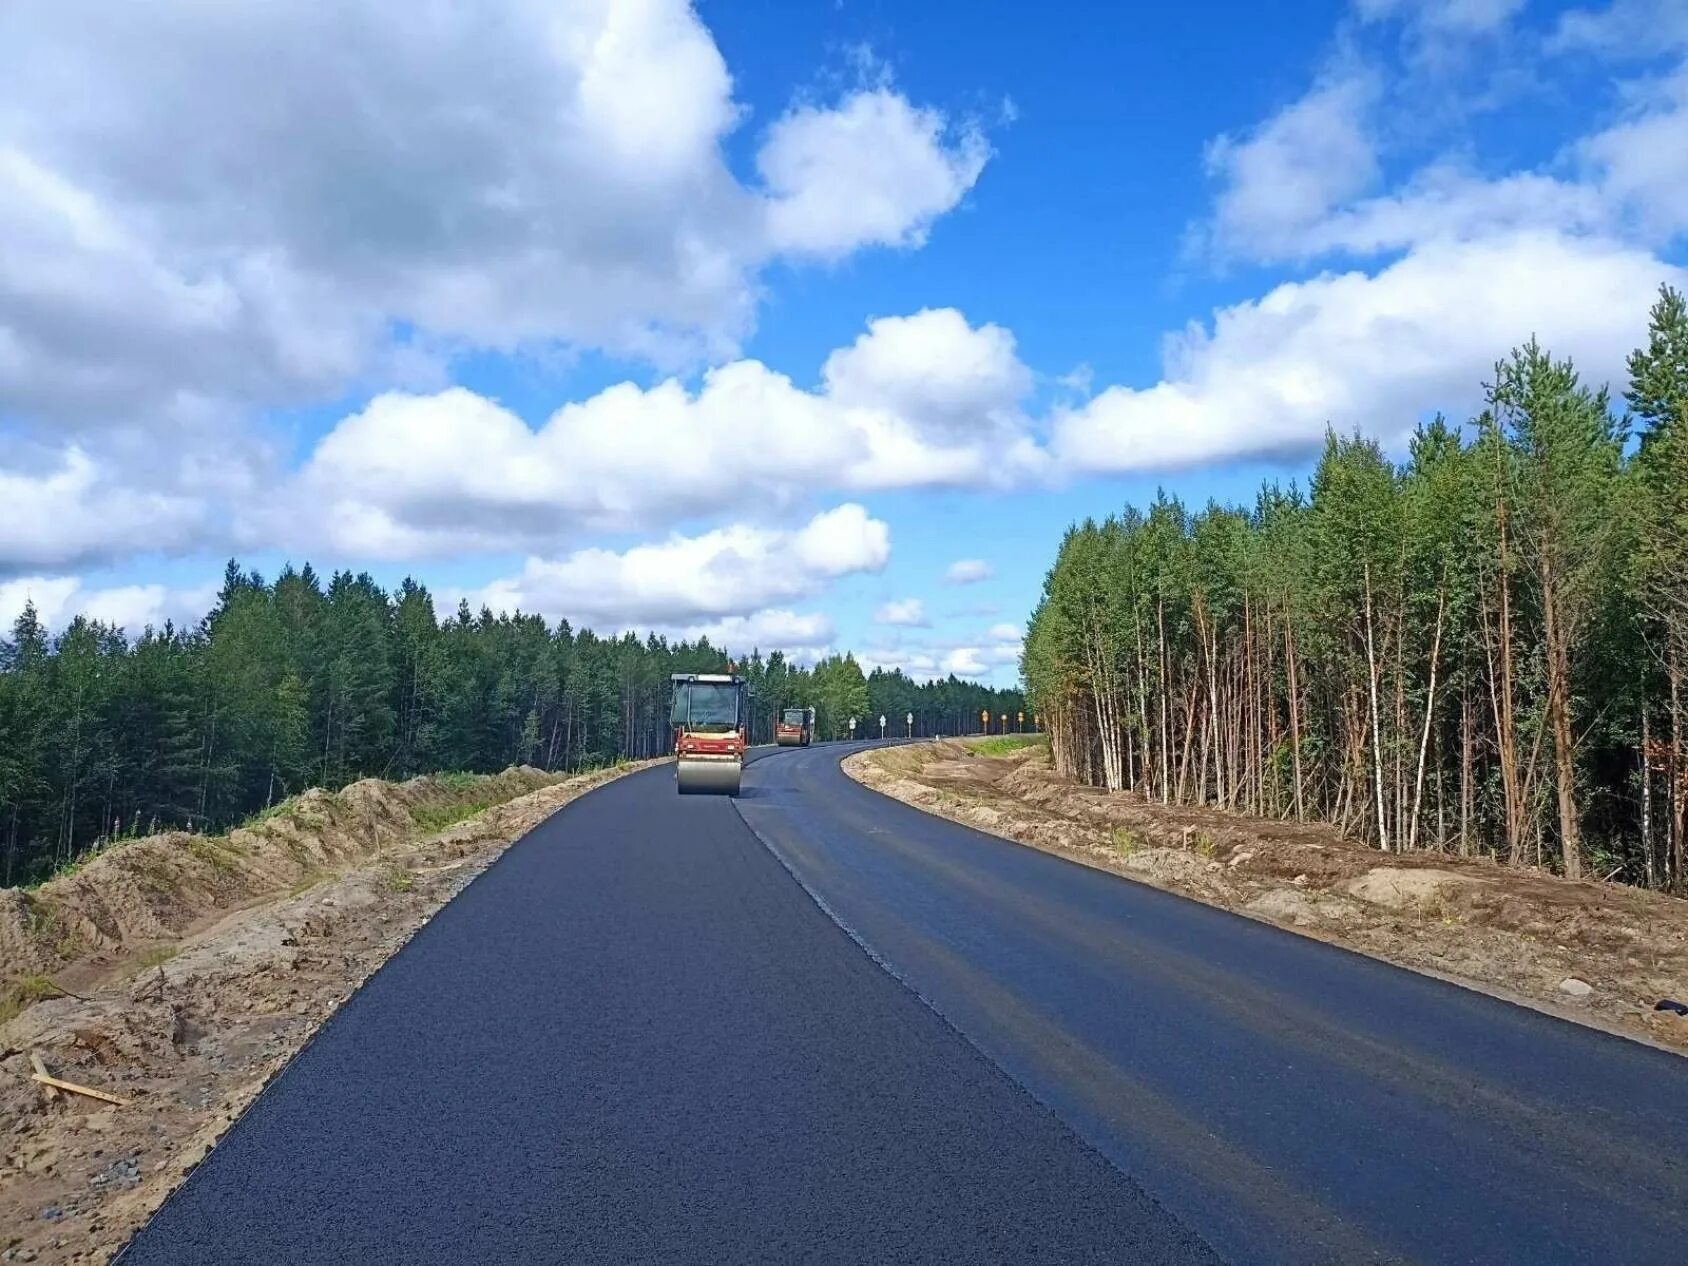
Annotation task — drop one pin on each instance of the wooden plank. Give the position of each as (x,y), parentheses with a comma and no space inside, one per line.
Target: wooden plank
(35,1062)
(78,1090)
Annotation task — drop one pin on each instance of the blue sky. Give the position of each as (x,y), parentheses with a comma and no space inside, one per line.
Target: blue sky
(756,318)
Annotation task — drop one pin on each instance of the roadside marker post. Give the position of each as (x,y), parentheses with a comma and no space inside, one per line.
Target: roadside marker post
(881,725)
(911,725)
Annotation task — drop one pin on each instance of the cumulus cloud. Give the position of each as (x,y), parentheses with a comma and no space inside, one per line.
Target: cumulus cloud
(802,637)
(1285,176)
(59,599)
(909,612)
(995,656)
(63,508)
(875,170)
(504,176)
(1373,352)
(968,571)
(1641,163)
(694,582)
(922,400)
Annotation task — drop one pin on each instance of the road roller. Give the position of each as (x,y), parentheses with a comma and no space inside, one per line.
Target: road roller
(795,727)
(711,720)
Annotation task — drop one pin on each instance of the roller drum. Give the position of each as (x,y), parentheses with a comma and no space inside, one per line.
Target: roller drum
(708,777)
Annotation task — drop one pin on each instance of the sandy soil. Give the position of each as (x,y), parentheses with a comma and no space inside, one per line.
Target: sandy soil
(199,979)
(1601,954)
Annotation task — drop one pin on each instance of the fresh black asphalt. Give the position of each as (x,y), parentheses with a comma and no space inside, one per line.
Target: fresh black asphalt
(1291,1101)
(636,1038)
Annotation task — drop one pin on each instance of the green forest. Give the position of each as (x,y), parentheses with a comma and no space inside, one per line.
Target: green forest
(291,684)
(1480,650)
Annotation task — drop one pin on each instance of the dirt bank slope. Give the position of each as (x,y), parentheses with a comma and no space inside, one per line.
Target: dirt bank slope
(1603,954)
(203,966)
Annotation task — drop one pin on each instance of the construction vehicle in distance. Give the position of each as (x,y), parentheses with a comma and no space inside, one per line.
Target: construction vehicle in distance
(710,718)
(795,727)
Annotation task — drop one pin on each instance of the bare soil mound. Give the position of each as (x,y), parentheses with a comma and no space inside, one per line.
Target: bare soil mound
(138,893)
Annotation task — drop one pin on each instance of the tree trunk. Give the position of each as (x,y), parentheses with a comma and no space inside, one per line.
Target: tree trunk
(1376,726)
(1559,717)
(1429,714)
(1294,710)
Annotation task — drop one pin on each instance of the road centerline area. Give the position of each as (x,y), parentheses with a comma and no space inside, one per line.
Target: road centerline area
(635,1038)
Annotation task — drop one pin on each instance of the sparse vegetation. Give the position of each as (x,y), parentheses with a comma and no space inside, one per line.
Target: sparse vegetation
(157,956)
(1005,744)
(17,994)
(1124,841)
(434,818)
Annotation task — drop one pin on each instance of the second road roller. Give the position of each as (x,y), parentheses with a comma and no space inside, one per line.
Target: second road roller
(711,733)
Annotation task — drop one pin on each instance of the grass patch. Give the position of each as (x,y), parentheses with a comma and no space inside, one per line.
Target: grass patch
(214,851)
(1004,744)
(431,819)
(397,879)
(264,815)
(25,991)
(1206,845)
(1124,841)
(458,780)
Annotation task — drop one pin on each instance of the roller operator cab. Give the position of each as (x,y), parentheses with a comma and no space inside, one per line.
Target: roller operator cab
(795,727)
(710,734)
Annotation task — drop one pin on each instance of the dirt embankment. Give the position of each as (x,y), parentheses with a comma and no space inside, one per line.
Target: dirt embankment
(1604,954)
(197,967)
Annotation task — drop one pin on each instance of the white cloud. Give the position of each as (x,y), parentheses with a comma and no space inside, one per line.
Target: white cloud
(910,612)
(50,594)
(949,380)
(59,599)
(1624,26)
(802,637)
(1641,163)
(995,657)
(693,581)
(507,175)
(1465,17)
(1374,352)
(1284,177)
(968,571)
(65,508)
(924,400)
(875,170)
(965,661)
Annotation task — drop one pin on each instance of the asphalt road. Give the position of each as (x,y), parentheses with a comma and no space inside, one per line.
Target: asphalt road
(637,1038)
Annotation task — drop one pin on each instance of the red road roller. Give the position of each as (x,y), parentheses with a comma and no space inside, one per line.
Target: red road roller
(710,734)
(795,727)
